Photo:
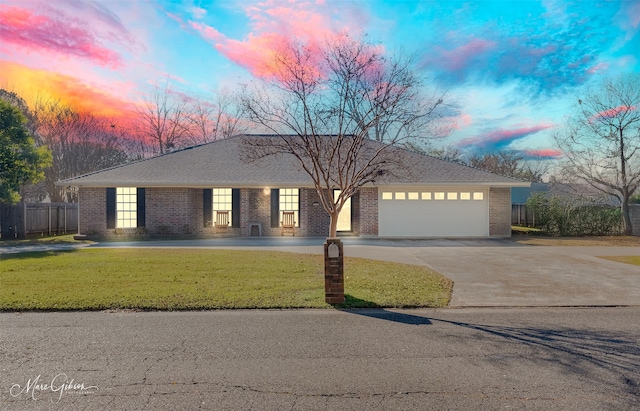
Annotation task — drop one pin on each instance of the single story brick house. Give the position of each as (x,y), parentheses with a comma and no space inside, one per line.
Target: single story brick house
(181,193)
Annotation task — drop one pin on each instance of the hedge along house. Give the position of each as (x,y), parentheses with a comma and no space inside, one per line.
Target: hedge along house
(181,193)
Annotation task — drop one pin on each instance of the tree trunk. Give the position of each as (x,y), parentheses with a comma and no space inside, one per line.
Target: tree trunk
(626,217)
(333,226)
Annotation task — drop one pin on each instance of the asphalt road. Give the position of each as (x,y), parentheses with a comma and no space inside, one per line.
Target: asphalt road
(455,359)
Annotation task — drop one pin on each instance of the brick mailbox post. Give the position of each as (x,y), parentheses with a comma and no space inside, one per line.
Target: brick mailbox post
(333,271)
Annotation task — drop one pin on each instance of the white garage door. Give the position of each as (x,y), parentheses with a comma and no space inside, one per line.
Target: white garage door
(433,212)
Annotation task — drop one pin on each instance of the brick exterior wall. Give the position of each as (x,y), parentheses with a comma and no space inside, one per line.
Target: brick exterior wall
(368,212)
(174,211)
(178,212)
(93,211)
(634,210)
(317,220)
(500,212)
(255,207)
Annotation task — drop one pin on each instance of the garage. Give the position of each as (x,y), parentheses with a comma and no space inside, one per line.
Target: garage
(433,211)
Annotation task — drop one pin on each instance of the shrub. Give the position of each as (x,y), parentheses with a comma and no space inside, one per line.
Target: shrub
(564,216)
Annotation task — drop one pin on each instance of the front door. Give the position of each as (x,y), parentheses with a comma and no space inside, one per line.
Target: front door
(344,218)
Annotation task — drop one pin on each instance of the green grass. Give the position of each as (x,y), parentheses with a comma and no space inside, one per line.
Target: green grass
(183,279)
(633,259)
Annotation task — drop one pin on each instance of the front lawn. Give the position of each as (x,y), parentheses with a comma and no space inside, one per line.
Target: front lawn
(632,259)
(186,279)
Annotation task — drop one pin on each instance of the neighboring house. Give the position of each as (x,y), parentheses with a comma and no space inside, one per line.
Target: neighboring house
(520,214)
(182,193)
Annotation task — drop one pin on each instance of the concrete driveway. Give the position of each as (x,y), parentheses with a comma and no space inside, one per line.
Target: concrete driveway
(486,272)
(500,273)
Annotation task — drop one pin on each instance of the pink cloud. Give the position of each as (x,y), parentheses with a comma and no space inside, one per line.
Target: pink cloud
(598,67)
(500,139)
(542,154)
(207,32)
(460,57)
(462,120)
(611,113)
(66,36)
(274,23)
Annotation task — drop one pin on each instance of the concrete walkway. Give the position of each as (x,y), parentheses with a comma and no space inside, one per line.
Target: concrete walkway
(486,272)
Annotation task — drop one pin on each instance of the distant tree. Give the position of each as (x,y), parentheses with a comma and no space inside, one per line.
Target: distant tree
(80,143)
(324,104)
(210,121)
(601,141)
(21,162)
(163,117)
(509,164)
(447,153)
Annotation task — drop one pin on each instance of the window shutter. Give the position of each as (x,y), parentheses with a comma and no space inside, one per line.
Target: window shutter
(300,208)
(275,208)
(111,208)
(141,208)
(207,207)
(355,212)
(235,207)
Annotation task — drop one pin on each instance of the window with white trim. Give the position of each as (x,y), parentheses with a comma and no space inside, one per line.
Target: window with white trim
(289,201)
(387,195)
(126,207)
(465,196)
(438,196)
(478,196)
(412,196)
(426,196)
(400,195)
(221,201)
(452,195)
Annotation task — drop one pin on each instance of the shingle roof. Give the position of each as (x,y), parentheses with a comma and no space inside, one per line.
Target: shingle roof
(221,163)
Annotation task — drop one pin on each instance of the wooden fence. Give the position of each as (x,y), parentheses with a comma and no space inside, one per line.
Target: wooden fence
(28,219)
(522,216)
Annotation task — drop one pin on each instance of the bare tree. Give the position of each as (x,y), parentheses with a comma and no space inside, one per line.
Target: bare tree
(217,120)
(510,164)
(324,107)
(601,141)
(163,117)
(80,143)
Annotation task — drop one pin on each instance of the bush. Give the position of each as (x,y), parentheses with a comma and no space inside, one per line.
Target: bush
(562,216)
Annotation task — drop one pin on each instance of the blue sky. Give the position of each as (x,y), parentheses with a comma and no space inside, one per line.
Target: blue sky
(513,68)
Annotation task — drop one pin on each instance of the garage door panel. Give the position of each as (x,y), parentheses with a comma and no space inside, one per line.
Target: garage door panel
(433,218)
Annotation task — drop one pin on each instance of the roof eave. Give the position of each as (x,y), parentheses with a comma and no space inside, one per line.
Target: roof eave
(237,184)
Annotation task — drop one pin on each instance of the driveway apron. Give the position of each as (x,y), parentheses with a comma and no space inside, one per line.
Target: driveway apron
(526,276)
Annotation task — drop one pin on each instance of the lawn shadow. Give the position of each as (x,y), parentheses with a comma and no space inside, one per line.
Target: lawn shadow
(26,254)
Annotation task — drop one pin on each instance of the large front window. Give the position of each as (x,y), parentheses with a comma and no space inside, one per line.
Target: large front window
(221,201)
(289,200)
(126,207)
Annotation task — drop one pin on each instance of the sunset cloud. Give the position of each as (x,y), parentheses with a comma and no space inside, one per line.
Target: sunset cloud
(556,49)
(33,84)
(455,62)
(274,23)
(500,139)
(611,113)
(60,34)
(541,154)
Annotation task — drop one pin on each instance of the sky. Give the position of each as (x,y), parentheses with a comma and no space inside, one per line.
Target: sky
(513,69)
